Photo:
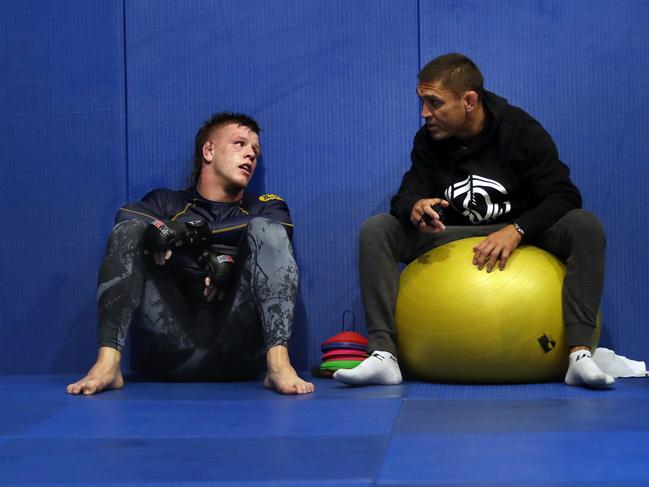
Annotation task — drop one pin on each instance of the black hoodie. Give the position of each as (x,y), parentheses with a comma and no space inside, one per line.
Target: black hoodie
(510,172)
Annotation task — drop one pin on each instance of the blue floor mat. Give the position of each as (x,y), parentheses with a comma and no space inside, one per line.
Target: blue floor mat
(182,434)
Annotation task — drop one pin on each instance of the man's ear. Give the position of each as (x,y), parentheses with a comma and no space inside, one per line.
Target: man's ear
(470,101)
(208,151)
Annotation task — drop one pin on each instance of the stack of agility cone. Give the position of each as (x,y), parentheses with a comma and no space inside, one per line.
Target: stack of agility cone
(342,351)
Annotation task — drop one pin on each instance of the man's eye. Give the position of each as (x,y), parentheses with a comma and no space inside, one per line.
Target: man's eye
(239,143)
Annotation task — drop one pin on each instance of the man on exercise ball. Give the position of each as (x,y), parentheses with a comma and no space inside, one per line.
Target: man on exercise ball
(480,167)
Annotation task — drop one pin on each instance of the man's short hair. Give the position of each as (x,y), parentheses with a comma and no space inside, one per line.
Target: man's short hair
(456,72)
(217,120)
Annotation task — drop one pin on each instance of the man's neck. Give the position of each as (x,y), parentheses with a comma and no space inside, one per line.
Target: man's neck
(217,193)
(475,123)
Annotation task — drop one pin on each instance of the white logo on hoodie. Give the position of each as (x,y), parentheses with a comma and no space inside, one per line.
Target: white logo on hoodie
(473,195)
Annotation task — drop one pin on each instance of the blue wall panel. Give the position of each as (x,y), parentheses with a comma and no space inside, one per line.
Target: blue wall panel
(332,85)
(63,165)
(581,68)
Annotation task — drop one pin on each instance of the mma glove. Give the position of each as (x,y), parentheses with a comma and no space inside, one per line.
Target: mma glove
(219,265)
(161,235)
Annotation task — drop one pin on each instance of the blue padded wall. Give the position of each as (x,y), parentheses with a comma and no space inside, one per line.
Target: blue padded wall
(63,165)
(331,83)
(581,68)
(100,101)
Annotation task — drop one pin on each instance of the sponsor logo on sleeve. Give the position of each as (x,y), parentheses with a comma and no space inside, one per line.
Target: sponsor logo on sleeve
(270,197)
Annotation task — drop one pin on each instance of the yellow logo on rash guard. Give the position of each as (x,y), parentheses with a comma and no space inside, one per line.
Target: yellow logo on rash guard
(270,197)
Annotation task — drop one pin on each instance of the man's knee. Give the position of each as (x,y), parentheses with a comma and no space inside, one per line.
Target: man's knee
(271,233)
(378,227)
(128,233)
(584,224)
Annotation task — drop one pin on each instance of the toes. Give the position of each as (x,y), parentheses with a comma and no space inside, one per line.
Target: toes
(288,384)
(603,382)
(74,388)
(90,387)
(305,387)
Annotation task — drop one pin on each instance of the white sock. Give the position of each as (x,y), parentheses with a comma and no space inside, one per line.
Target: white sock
(583,371)
(381,368)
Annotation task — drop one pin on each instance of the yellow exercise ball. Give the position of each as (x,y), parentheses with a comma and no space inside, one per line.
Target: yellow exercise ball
(458,324)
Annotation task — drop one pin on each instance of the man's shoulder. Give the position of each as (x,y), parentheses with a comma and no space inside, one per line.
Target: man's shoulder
(517,128)
(509,114)
(168,197)
(263,200)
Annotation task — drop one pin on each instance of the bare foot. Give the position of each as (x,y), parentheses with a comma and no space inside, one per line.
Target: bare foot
(287,382)
(104,375)
(281,376)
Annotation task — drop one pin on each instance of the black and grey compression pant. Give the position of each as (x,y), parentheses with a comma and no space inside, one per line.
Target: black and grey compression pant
(182,341)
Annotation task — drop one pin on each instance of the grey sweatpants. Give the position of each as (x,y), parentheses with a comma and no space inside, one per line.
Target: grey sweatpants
(577,239)
(182,340)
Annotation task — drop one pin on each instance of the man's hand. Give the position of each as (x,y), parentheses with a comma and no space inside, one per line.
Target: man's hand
(220,270)
(496,247)
(160,257)
(425,208)
(210,292)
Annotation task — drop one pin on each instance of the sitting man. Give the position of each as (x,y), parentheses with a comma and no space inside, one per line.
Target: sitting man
(480,167)
(207,273)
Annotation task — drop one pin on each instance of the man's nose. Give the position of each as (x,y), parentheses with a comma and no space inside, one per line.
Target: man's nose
(425,111)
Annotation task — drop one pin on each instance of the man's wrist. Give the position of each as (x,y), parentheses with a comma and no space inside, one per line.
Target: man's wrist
(519,229)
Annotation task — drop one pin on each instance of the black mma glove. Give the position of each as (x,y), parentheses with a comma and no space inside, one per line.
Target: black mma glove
(218,266)
(163,235)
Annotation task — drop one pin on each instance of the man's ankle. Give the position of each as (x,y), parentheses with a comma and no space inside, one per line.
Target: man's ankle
(277,358)
(108,357)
